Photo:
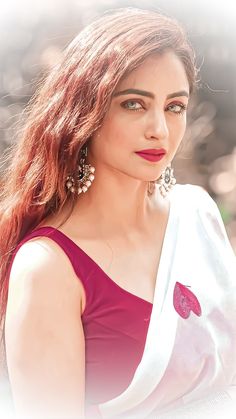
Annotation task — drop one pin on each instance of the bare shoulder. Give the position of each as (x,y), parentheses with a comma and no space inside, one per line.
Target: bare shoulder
(40,264)
(44,333)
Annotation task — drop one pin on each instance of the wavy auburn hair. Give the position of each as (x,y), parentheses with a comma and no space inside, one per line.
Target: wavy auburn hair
(66,110)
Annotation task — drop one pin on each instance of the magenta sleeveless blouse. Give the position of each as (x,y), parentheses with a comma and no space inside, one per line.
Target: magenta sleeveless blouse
(115,324)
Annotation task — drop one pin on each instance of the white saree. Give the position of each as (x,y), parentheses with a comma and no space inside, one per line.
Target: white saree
(188,367)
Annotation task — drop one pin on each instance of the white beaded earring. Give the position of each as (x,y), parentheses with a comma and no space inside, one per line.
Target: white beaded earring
(83,177)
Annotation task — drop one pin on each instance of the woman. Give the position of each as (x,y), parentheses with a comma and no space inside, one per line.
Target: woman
(118,288)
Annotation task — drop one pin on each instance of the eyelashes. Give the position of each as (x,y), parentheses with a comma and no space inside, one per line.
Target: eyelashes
(127,102)
(180,106)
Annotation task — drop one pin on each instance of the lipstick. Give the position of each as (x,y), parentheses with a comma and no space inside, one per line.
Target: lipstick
(152,154)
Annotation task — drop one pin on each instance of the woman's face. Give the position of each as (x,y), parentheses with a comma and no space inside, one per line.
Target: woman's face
(147,111)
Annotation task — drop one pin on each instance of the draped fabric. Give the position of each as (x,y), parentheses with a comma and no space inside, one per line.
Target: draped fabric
(188,360)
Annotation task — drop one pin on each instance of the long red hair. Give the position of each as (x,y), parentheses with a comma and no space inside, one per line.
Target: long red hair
(66,110)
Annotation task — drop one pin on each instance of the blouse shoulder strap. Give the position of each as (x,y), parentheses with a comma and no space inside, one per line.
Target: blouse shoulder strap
(77,257)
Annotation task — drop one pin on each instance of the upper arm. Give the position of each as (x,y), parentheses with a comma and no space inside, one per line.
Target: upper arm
(44,334)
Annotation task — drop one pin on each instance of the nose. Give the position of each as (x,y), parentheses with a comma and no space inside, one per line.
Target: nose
(156,127)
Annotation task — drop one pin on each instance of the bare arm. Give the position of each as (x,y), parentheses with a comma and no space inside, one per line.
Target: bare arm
(44,334)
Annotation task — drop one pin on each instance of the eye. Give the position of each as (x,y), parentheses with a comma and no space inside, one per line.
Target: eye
(178,108)
(131,105)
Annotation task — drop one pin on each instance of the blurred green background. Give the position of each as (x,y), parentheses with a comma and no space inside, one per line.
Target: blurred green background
(34,33)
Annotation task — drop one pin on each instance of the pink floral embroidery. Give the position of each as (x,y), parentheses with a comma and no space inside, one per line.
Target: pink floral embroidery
(184,301)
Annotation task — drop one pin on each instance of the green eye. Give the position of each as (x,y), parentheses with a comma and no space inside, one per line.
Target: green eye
(132,105)
(178,108)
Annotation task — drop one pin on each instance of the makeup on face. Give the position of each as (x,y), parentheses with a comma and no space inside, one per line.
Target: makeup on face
(150,94)
(153,155)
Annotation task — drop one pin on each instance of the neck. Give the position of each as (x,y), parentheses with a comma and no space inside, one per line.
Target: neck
(121,203)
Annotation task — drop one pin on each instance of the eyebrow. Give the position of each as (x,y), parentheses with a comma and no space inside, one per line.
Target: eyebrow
(149,94)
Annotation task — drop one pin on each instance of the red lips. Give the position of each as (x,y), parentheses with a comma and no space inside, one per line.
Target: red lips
(152,154)
(153,151)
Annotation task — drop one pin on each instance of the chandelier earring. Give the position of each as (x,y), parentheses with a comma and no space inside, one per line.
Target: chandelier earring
(166,181)
(83,177)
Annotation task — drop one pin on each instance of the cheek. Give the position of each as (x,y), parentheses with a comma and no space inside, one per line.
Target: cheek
(109,142)
(178,128)
(176,137)
(116,132)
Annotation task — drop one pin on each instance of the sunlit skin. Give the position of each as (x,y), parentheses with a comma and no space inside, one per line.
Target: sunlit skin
(135,121)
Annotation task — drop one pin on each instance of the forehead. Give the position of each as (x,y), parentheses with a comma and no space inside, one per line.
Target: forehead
(157,71)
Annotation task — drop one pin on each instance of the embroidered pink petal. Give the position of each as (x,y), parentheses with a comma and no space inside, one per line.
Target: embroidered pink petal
(184,301)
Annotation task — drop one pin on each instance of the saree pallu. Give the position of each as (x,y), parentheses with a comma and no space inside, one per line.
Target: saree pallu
(188,367)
